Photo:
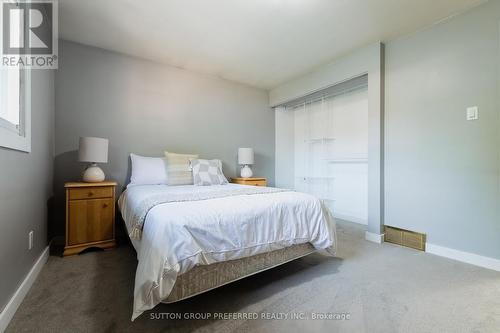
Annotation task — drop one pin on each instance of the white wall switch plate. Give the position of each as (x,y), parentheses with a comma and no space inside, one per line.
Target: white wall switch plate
(472,113)
(30,240)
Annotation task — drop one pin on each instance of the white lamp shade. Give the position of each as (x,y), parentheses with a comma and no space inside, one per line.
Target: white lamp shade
(93,150)
(245,156)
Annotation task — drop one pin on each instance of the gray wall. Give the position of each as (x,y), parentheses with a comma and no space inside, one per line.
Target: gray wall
(442,172)
(145,108)
(26,188)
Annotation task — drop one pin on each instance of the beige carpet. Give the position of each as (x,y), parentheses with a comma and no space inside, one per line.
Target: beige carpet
(383,288)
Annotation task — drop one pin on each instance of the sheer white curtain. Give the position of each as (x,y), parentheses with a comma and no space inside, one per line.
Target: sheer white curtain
(314,144)
(331,150)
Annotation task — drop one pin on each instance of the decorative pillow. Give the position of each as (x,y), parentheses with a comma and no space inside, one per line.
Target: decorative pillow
(208,172)
(148,170)
(179,168)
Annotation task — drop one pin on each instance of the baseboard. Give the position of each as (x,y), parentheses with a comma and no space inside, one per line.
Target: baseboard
(11,307)
(373,237)
(350,218)
(467,257)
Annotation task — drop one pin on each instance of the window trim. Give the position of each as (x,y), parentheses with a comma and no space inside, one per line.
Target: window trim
(20,139)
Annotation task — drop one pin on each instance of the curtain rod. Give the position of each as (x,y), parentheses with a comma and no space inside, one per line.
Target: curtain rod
(319,96)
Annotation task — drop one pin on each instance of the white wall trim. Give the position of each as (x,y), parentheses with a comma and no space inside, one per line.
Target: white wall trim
(375,238)
(467,257)
(351,218)
(11,307)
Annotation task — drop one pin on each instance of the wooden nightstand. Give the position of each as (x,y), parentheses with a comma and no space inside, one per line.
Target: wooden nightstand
(90,216)
(250,181)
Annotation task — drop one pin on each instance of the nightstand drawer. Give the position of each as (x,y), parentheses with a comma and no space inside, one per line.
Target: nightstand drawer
(257,183)
(90,193)
(250,181)
(90,221)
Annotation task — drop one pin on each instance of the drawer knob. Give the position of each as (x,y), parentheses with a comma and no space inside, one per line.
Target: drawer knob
(104,205)
(91,194)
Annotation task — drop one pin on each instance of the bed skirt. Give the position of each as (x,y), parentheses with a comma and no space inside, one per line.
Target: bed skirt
(207,277)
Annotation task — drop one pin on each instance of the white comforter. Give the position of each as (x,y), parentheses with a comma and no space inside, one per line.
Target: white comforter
(179,235)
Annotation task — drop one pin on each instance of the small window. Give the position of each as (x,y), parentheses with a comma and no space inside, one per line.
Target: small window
(15,109)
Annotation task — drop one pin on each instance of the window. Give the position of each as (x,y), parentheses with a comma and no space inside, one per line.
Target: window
(15,115)
(10,87)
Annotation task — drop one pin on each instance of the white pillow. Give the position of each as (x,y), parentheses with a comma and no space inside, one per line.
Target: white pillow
(148,170)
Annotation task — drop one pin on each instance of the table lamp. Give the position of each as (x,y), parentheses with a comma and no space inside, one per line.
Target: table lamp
(93,150)
(246,158)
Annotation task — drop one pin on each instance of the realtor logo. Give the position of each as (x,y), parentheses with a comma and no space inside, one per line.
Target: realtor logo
(29,34)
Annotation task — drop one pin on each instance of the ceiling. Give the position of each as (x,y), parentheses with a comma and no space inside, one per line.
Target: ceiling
(261,43)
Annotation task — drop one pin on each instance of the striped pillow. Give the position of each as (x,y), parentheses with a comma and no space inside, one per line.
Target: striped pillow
(179,168)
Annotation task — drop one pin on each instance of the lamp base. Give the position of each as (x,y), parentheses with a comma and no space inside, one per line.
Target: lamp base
(246,172)
(93,174)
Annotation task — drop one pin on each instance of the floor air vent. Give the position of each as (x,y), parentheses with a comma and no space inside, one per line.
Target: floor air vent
(406,238)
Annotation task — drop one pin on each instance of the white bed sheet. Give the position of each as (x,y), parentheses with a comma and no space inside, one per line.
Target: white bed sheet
(179,235)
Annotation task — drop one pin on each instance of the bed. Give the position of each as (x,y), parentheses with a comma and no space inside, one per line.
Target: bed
(191,239)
